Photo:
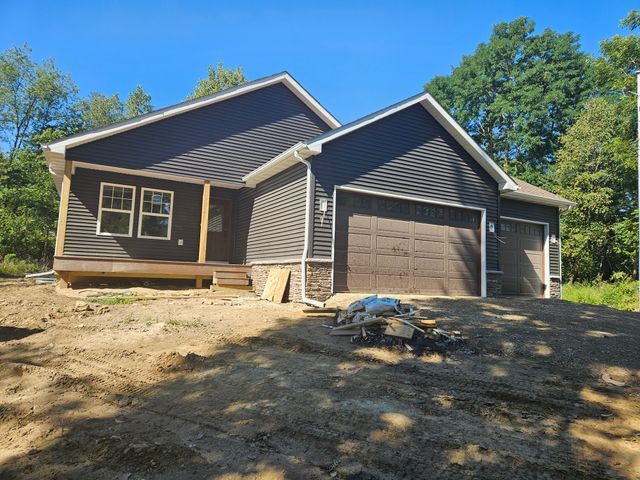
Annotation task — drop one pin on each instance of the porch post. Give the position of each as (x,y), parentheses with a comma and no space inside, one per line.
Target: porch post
(64,207)
(204,221)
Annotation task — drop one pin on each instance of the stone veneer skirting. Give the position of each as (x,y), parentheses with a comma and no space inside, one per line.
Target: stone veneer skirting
(555,287)
(319,276)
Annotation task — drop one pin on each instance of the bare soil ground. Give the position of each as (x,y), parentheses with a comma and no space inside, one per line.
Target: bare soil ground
(201,387)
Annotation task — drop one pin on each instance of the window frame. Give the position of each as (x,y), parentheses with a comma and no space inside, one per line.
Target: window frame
(163,215)
(101,209)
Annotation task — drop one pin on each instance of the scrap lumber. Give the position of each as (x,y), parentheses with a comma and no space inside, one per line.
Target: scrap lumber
(409,324)
(281,286)
(425,323)
(364,323)
(270,286)
(396,328)
(315,311)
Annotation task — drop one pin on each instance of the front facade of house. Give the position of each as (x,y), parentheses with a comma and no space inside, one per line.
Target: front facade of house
(228,186)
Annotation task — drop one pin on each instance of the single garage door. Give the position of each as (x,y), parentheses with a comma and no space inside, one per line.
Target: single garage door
(386,245)
(522,258)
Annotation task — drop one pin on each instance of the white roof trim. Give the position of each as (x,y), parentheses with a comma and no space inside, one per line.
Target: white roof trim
(60,146)
(276,165)
(530,198)
(440,114)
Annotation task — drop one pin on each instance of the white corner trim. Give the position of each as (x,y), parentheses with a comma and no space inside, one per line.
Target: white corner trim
(546,250)
(377,193)
(130,212)
(60,146)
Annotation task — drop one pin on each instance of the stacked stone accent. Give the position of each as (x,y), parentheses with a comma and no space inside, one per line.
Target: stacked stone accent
(260,272)
(319,276)
(494,284)
(554,288)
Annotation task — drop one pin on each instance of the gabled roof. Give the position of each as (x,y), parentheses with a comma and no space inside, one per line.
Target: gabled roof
(532,194)
(314,146)
(60,146)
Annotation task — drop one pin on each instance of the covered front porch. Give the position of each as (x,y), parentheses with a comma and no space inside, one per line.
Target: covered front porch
(72,268)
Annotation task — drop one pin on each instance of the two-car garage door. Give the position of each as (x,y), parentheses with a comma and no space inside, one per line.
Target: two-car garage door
(390,245)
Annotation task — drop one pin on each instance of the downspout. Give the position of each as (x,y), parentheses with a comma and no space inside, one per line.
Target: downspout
(307,231)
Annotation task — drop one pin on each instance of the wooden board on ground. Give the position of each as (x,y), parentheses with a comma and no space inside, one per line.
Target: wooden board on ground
(281,286)
(399,329)
(316,311)
(270,286)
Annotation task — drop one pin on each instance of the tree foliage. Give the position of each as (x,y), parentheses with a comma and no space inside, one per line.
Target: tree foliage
(138,103)
(33,97)
(518,93)
(596,168)
(218,78)
(98,110)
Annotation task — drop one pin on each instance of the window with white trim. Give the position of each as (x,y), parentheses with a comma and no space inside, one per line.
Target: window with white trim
(115,210)
(156,208)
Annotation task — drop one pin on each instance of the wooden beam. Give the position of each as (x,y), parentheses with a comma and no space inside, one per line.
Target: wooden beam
(204,222)
(64,207)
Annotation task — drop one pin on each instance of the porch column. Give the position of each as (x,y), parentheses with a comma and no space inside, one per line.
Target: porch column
(64,208)
(204,221)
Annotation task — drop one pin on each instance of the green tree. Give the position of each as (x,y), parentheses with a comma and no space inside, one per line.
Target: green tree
(33,97)
(218,78)
(98,110)
(596,169)
(28,206)
(138,103)
(517,94)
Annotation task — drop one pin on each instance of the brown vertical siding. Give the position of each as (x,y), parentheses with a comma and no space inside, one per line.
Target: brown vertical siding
(538,213)
(222,141)
(81,238)
(269,220)
(407,153)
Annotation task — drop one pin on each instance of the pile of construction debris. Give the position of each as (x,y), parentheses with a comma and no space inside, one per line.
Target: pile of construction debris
(385,322)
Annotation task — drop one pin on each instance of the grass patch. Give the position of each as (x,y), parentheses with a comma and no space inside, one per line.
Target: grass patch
(622,294)
(115,301)
(11,266)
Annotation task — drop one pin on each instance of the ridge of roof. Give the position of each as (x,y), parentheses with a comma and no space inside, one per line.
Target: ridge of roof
(60,145)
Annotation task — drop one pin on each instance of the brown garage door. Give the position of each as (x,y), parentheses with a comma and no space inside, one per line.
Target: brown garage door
(393,246)
(522,258)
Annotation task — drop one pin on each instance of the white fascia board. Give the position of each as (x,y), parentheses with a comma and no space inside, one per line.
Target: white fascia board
(276,165)
(60,146)
(505,182)
(527,197)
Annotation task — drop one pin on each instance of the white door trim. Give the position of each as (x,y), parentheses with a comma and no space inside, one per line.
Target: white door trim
(377,193)
(547,264)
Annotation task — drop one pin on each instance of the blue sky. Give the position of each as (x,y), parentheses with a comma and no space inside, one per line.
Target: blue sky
(354,57)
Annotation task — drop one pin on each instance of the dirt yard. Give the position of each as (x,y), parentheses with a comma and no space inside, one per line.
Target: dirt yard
(208,387)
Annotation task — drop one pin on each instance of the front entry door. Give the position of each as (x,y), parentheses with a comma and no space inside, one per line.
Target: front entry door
(219,229)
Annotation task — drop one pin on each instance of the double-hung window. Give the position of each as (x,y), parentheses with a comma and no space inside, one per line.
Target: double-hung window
(156,208)
(115,210)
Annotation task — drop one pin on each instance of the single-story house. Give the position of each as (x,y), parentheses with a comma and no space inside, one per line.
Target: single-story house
(226,187)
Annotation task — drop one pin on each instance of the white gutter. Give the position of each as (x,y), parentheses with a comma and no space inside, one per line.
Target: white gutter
(307,230)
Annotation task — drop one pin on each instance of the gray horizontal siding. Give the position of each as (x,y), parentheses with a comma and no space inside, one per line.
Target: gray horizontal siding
(407,153)
(537,213)
(269,220)
(222,141)
(81,238)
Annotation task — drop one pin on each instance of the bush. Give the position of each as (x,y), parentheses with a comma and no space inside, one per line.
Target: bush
(622,293)
(11,266)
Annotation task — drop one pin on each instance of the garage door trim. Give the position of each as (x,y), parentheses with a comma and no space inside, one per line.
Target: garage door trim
(547,270)
(411,198)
